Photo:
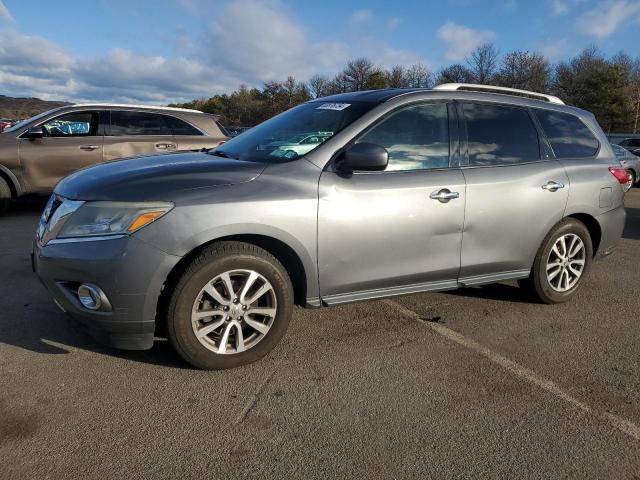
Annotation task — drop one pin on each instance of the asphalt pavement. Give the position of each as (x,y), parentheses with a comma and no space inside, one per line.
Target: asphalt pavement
(478,383)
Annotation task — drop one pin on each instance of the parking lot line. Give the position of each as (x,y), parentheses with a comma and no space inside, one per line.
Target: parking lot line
(621,424)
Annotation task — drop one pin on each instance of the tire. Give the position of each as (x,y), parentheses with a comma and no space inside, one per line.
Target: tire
(5,195)
(202,288)
(563,286)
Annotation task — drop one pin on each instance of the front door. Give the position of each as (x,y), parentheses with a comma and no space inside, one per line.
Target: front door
(399,230)
(71,141)
(516,191)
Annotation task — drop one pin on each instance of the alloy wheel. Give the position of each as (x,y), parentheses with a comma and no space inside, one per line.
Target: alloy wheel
(566,262)
(234,311)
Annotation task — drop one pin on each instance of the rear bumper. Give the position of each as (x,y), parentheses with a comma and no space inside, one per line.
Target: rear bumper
(611,226)
(130,272)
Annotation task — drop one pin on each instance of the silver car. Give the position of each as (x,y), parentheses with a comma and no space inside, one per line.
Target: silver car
(629,161)
(416,190)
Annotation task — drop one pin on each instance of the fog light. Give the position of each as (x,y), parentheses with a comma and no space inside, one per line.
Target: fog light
(90,296)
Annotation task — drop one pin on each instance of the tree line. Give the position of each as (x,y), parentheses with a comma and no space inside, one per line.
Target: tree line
(609,87)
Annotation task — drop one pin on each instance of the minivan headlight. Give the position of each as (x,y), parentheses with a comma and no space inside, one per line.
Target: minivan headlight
(112,218)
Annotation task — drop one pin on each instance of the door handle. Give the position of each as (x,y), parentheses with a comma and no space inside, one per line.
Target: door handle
(166,146)
(553,186)
(89,148)
(443,195)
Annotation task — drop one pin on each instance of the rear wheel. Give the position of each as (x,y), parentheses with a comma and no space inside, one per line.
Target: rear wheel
(231,306)
(562,262)
(5,195)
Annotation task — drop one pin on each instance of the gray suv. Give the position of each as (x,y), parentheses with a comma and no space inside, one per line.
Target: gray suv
(405,191)
(37,153)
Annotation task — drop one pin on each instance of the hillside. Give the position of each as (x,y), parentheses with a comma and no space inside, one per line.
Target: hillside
(19,108)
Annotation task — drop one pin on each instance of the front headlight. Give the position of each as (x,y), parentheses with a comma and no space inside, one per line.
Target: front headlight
(112,218)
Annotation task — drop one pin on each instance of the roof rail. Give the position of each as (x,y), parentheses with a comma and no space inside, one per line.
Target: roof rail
(472,87)
(124,105)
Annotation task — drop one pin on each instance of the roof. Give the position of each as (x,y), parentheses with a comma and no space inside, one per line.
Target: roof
(376,96)
(383,95)
(147,107)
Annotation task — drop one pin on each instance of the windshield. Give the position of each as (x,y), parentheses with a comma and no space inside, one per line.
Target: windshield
(293,133)
(22,123)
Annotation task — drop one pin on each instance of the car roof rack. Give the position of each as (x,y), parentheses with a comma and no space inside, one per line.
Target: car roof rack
(473,87)
(124,105)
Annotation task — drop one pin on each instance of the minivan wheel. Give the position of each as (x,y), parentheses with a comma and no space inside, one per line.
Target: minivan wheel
(231,306)
(562,262)
(5,195)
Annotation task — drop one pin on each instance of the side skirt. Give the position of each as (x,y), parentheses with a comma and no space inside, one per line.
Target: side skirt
(420,288)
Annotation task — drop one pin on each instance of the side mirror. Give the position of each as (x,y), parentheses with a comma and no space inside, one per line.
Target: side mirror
(34,132)
(636,152)
(366,157)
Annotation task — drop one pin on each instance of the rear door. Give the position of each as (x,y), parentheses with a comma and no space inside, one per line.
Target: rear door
(133,133)
(71,141)
(516,191)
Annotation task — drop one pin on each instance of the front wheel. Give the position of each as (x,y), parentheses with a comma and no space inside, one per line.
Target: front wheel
(561,264)
(231,306)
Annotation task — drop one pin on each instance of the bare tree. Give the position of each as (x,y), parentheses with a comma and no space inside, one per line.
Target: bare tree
(524,70)
(419,76)
(358,73)
(397,77)
(455,73)
(318,85)
(483,63)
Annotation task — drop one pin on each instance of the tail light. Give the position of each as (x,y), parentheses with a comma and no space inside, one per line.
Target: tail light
(621,175)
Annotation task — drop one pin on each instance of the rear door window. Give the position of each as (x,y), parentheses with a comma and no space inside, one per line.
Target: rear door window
(180,127)
(568,135)
(127,123)
(500,135)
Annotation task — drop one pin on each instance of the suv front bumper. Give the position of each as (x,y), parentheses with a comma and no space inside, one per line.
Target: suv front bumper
(131,273)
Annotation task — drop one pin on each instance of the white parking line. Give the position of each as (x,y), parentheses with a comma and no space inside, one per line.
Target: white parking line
(521,372)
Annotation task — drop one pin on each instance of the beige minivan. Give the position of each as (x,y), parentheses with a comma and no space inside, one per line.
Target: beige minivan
(37,153)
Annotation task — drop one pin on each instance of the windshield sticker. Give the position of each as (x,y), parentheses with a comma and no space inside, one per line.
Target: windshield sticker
(333,106)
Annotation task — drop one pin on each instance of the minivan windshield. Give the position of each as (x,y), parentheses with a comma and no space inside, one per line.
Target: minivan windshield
(22,123)
(294,133)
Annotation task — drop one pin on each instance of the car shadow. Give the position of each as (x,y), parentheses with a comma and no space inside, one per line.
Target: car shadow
(46,330)
(495,291)
(632,226)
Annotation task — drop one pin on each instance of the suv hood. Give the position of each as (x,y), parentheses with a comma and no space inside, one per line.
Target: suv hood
(155,177)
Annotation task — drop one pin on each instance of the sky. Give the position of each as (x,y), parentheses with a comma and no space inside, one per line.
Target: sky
(161,51)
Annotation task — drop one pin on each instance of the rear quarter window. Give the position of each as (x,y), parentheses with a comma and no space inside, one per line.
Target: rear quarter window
(568,135)
(180,127)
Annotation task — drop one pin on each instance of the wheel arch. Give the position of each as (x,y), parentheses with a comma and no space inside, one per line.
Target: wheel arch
(12,180)
(279,249)
(593,226)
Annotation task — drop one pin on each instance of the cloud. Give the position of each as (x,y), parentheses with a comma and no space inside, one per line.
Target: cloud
(607,17)
(461,41)
(4,12)
(259,42)
(235,49)
(249,41)
(394,23)
(361,16)
(560,7)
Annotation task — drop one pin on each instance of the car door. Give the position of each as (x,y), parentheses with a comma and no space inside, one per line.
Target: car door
(516,191)
(71,141)
(399,230)
(133,133)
